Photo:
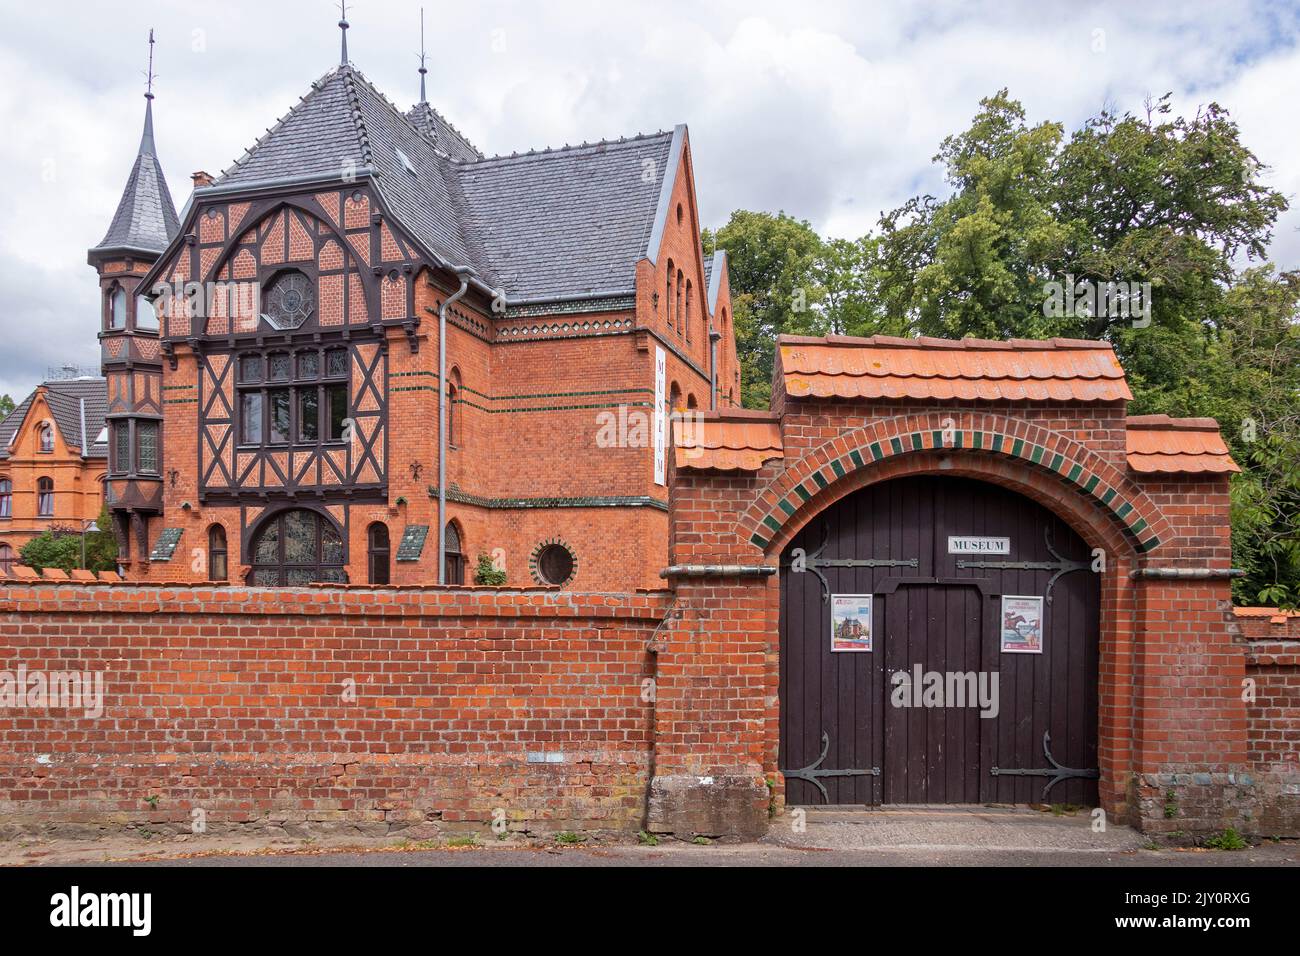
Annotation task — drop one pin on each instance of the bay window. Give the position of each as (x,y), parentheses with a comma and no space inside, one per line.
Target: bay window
(298,398)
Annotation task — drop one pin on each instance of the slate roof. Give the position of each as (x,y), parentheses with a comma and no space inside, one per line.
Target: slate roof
(64,398)
(1160,444)
(569,221)
(542,225)
(446,138)
(734,440)
(1079,370)
(146,217)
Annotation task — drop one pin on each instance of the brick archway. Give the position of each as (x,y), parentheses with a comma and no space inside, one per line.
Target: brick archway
(1099,500)
(1090,494)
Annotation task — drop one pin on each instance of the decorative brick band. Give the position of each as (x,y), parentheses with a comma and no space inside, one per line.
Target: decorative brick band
(1033,446)
(593,501)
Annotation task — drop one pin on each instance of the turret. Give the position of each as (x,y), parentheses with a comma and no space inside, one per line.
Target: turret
(143,226)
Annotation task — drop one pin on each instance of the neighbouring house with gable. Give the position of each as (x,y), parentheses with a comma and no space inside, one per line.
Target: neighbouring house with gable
(53,462)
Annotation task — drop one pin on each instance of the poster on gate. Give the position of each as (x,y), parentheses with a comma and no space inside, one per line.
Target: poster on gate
(850,622)
(1022,624)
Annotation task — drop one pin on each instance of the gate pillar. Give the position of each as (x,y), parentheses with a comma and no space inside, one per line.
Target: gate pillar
(715,694)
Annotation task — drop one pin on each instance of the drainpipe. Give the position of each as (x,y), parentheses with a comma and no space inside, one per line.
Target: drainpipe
(463,273)
(714,336)
(84,450)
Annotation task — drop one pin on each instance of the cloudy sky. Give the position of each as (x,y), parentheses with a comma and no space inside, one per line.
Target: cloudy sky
(829,111)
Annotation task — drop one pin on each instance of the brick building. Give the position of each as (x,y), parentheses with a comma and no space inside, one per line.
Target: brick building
(53,462)
(282,425)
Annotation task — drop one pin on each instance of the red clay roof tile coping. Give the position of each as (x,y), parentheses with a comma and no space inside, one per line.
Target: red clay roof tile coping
(730,440)
(886,367)
(1158,444)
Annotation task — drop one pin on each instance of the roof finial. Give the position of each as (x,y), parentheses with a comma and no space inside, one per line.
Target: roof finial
(423,98)
(148,93)
(343,26)
(146,139)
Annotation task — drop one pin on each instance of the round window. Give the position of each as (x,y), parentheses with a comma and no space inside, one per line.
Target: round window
(554,564)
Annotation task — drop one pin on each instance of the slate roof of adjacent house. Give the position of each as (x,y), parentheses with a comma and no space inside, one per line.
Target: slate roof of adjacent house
(64,399)
(885,367)
(732,440)
(549,224)
(145,220)
(1160,444)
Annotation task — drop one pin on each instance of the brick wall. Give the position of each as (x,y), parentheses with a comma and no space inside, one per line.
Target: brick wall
(235,702)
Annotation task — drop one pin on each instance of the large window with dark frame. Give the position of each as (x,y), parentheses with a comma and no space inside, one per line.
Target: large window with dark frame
(147,459)
(6,498)
(297,547)
(295,397)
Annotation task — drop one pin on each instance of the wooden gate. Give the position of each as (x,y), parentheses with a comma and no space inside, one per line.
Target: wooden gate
(853,732)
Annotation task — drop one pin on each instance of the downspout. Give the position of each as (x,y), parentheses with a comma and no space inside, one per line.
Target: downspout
(84,450)
(714,336)
(463,273)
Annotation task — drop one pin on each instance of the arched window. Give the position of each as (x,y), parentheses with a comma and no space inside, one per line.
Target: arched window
(690,401)
(47,438)
(377,551)
(454,437)
(668,294)
(6,498)
(681,288)
(455,559)
(297,547)
(674,397)
(44,497)
(7,559)
(117,308)
(686,322)
(218,566)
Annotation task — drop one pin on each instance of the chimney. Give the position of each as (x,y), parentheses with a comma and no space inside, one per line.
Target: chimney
(201,179)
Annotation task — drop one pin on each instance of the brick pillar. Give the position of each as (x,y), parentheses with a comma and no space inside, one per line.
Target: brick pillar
(1189,715)
(715,691)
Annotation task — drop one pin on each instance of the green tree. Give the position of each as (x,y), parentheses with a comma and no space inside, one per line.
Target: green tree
(6,406)
(60,547)
(770,259)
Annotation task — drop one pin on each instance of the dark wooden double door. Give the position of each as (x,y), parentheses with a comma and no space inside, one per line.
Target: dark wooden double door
(946,619)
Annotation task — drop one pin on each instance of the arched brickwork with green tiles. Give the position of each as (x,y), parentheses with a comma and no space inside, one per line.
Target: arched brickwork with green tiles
(1077,471)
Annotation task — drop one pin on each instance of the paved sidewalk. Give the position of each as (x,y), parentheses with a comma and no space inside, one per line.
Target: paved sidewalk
(899,836)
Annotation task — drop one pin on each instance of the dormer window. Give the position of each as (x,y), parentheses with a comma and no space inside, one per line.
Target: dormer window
(405,161)
(117,308)
(47,438)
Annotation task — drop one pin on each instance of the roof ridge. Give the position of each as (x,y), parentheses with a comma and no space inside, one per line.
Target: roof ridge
(399,113)
(1163,422)
(317,85)
(934,342)
(569,148)
(451,126)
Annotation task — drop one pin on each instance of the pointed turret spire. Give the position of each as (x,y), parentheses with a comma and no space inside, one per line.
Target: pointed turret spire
(423,71)
(145,221)
(343,27)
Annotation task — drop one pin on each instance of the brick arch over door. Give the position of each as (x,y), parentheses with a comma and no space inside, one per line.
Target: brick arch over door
(1099,500)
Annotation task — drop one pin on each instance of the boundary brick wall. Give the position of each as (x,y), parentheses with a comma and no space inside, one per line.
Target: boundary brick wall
(468,702)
